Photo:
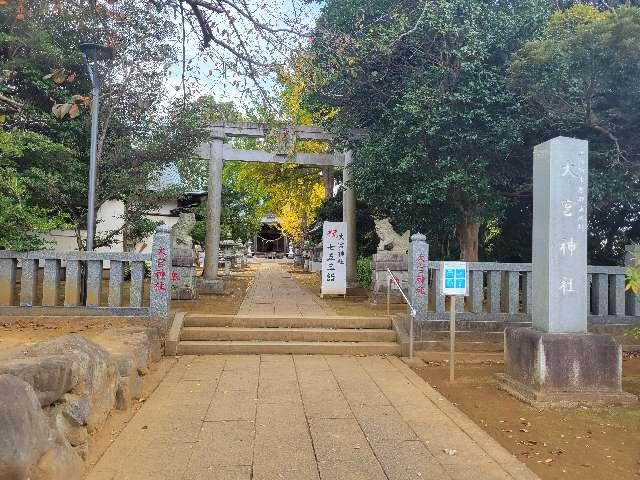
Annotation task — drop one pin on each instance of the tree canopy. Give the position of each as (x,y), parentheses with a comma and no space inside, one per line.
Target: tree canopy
(454,94)
(43,106)
(430,87)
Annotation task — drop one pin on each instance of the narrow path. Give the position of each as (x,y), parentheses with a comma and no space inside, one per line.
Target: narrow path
(275,292)
(301,417)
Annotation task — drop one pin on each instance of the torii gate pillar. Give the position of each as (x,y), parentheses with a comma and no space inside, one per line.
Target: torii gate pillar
(211,282)
(349,217)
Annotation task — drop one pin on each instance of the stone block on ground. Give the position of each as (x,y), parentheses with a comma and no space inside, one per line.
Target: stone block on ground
(29,447)
(133,350)
(76,408)
(94,372)
(206,286)
(74,433)
(134,347)
(50,376)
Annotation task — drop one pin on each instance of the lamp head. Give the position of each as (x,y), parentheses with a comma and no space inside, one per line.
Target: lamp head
(96,57)
(96,52)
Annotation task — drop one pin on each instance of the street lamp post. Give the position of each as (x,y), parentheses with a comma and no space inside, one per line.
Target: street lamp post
(94,54)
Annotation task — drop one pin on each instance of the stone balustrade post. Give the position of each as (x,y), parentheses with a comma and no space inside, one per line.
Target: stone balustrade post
(493,284)
(73,283)
(94,283)
(51,282)
(161,274)
(527,291)
(136,285)
(28,280)
(8,267)
(616,295)
(476,290)
(419,275)
(600,289)
(436,289)
(116,279)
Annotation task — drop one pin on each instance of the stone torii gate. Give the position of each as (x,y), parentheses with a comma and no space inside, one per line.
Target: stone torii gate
(217,151)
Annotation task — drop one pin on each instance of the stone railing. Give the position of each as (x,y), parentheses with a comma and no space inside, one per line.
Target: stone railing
(503,292)
(72,282)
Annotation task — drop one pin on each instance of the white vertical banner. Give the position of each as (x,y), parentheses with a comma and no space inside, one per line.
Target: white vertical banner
(334,258)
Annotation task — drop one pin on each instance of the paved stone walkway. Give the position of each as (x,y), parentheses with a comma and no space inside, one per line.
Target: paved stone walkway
(274,291)
(269,417)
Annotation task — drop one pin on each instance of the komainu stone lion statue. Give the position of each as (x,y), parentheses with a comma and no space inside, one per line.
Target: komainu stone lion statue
(389,238)
(181,231)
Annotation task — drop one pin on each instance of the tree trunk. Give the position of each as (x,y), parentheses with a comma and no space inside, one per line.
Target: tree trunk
(328,180)
(467,232)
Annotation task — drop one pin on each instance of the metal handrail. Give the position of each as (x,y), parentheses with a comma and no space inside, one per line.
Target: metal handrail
(413,312)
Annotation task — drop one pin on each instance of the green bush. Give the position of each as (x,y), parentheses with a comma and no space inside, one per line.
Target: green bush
(633,332)
(633,274)
(365,272)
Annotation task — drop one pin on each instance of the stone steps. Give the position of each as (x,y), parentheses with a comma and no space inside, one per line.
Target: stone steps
(464,336)
(272,321)
(461,346)
(202,334)
(479,325)
(276,347)
(288,334)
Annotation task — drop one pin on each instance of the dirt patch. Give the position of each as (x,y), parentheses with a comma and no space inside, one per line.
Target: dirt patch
(356,303)
(585,444)
(17,330)
(235,289)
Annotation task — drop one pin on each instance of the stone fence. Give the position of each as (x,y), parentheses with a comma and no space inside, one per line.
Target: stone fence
(72,281)
(502,292)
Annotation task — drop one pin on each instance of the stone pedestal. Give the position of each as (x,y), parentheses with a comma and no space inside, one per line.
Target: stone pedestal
(210,286)
(183,275)
(563,369)
(398,264)
(558,362)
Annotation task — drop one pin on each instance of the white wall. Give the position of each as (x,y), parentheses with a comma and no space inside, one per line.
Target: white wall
(109,217)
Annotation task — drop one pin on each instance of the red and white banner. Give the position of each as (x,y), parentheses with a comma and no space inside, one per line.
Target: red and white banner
(334,258)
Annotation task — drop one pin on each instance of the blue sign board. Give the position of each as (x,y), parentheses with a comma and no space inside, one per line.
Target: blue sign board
(454,278)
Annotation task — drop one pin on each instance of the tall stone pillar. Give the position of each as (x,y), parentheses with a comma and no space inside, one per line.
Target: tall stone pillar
(161,267)
(559,256)
(418,275)
(349,217)
(211,282)
(557,362)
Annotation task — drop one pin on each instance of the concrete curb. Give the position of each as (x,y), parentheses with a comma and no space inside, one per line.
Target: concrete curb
(173,337)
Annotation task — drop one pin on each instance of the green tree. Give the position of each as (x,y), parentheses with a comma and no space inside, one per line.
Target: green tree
(581,76)
(21,224)
(44,92)
(446,137)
